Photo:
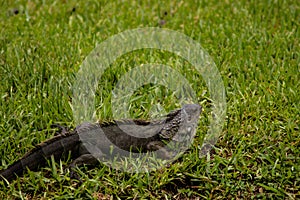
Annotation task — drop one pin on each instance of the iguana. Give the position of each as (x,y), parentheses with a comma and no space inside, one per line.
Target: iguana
(144,136)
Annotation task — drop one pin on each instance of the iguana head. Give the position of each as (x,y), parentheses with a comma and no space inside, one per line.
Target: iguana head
(181,124)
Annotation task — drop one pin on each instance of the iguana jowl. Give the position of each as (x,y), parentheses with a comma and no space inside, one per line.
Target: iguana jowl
(178,125)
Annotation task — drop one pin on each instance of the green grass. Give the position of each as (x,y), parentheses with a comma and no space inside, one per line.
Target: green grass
(255,46)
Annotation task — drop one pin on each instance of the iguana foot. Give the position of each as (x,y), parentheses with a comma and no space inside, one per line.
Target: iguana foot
(87,159)
(62,129)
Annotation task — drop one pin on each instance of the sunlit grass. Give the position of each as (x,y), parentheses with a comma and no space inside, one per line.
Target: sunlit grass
(255,46)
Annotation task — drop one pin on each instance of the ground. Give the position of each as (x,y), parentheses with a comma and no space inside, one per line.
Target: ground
(255,46)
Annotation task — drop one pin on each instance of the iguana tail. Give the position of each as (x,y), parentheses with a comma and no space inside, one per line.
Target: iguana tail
(31,161)
(37,157)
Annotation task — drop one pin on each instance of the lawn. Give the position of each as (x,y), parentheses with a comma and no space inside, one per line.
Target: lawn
(255,46)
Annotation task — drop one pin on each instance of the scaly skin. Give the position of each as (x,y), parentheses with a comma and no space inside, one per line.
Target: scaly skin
(146,136)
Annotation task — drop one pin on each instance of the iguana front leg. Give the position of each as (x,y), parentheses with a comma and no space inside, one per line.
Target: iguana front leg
(161,149)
